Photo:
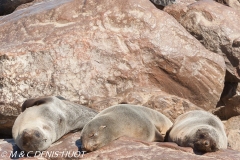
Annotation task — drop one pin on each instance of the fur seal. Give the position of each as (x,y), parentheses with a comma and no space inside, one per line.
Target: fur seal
(47,119)
(124,120)
(200,130)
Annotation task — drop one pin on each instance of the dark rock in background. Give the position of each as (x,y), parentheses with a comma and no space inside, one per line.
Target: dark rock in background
(8,6)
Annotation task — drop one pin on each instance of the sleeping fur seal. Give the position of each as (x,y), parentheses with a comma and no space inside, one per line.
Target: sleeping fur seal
(124,120)
(201,130)
(47,119)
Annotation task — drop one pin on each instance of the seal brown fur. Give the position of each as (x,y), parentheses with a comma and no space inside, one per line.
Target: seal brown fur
(201,130)
(124,120)
(47,119)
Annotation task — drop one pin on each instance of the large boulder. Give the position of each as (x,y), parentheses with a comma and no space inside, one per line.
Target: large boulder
(170,105)
(231,3)
(93,51)
(233,132)
(229,104)
(216,26)
(127,148)
(230,109)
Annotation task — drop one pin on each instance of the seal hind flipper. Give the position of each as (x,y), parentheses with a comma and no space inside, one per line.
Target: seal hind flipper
(158,136)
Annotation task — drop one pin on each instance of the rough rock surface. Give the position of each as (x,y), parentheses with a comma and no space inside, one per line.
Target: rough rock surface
(229,104)
(216,27)
(233,132)
(170,105)
(92,51)
(185,2)
(123,148)
(234,4)
(230,109)
(231,3)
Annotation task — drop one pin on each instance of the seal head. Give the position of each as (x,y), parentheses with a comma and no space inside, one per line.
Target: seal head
(33,140)
(46,119)
(204,140)
(97,135)
(200,130)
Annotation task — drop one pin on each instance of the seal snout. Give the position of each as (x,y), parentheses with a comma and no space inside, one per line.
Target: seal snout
(202,146)
(31,138)
(31,134)
(206,143)
(89,147)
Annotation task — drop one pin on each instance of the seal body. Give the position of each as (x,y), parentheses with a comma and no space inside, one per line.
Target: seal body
(45,120)
(199,129)
(124,120)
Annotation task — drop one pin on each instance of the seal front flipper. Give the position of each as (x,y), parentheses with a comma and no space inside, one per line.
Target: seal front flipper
(158,136)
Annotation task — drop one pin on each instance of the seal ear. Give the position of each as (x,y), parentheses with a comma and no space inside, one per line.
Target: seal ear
(61,98)
(102,127)
(35,102)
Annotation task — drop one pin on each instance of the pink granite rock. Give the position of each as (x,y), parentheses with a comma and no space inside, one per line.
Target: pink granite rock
(233,132)
(231,3)
(230,109)
(170,105)
(94,51)
(216,27)
(123,148)
(229,105)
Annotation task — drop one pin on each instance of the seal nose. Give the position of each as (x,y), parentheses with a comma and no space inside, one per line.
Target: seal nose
(206,143)
(87,147)
(29,136)
(26,137)
(83,145)
(83,148)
